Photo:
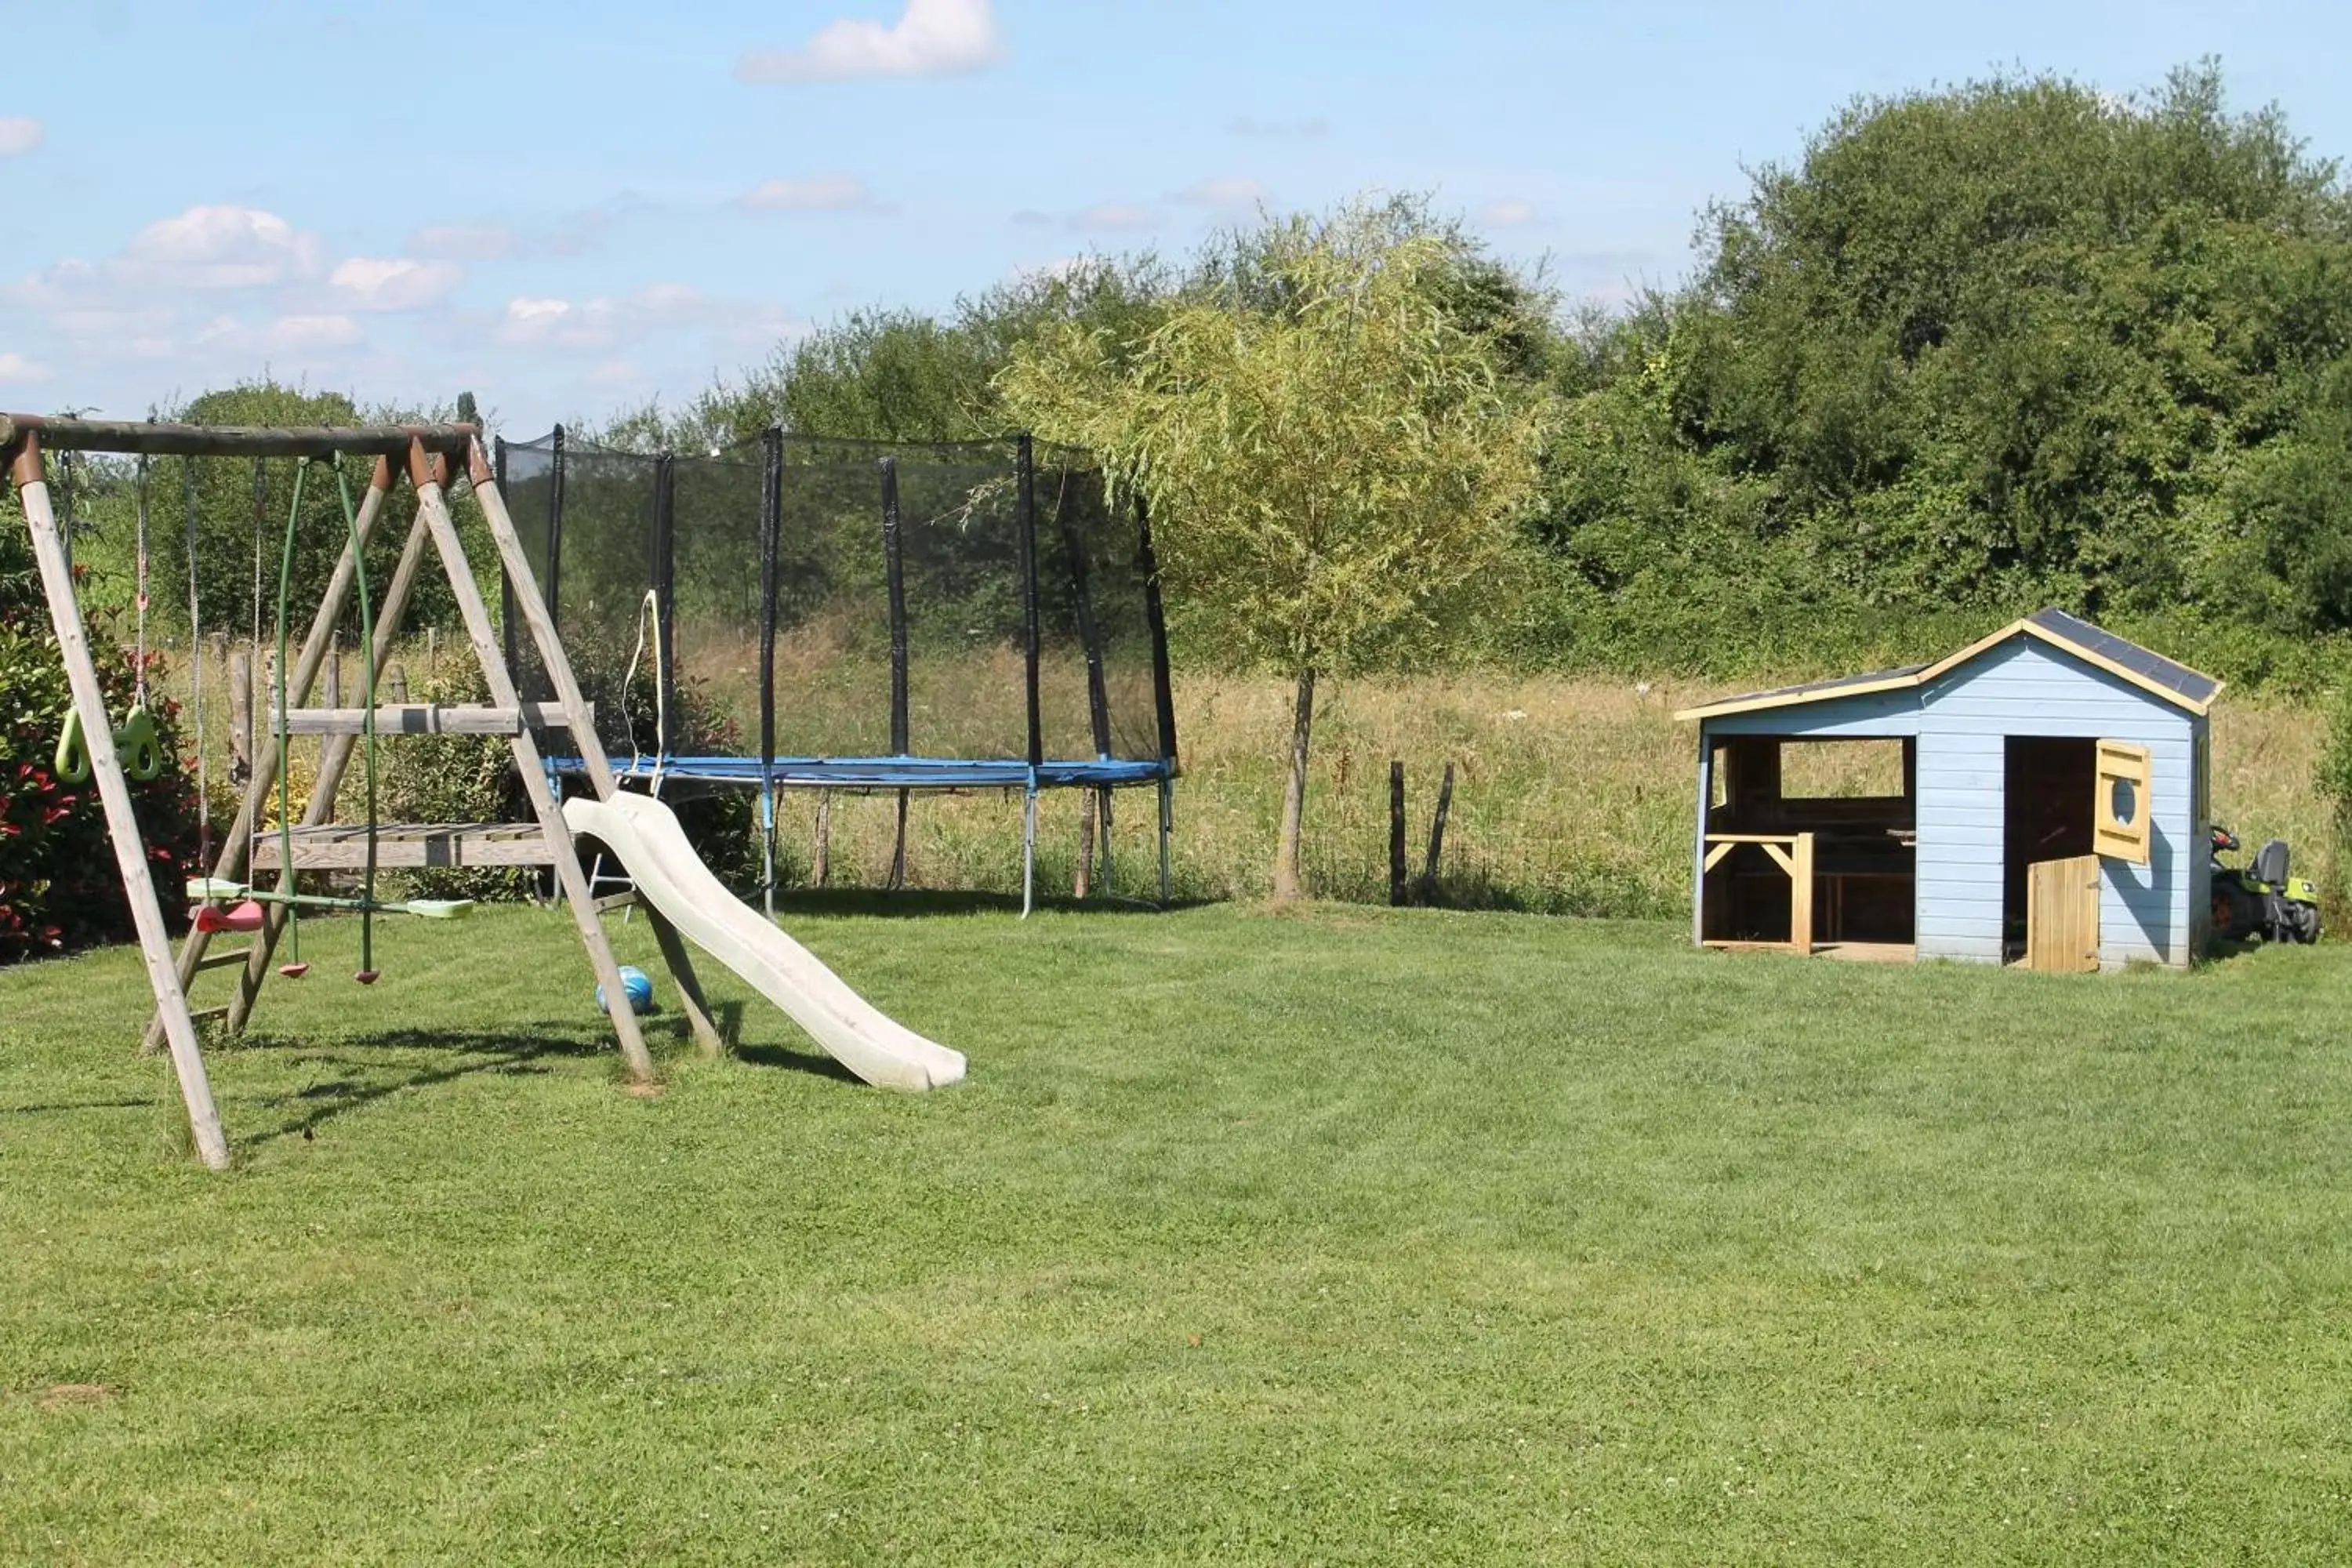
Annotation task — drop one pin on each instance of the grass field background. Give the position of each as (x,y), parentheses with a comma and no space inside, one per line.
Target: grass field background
(1340,1236)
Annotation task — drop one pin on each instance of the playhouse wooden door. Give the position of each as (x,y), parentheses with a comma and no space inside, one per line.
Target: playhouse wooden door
(2062,915)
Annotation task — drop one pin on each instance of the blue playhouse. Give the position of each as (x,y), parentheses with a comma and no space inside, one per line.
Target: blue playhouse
(2044,799)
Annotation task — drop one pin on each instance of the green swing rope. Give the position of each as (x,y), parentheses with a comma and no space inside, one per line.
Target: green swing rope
(285,748)
(366,903)
(367,716)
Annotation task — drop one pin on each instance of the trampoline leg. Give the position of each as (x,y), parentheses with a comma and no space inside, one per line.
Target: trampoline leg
(768,845)
(1028,851)
(1110,884)
(1167,822)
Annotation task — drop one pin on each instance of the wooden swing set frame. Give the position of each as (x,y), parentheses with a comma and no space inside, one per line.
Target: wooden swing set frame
(424,454)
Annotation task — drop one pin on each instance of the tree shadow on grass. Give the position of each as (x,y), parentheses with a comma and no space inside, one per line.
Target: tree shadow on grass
(59,1107)
(477,1052)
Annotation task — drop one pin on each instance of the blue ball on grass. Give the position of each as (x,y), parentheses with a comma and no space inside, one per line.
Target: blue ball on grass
(637,986)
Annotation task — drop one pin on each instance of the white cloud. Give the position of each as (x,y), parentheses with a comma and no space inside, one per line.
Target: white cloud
(1509,214)
(665,300)
(825,192)
(15,366)
(533,321)
(19,134)
(932,38)
(220,248)
(227,340)
(308,334)
(602,324)
(143,333)
(462,242)
(1233,191)
(394,283)
(1278,130)
(1115,216)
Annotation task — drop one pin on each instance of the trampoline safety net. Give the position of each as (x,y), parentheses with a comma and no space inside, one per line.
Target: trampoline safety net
(793,605)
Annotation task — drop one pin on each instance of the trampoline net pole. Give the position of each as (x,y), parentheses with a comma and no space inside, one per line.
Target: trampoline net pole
(665,586)
(1163,685)
(895,569)
(507,610)
(771,511)
(893,565)
(1027,480)
(554,589)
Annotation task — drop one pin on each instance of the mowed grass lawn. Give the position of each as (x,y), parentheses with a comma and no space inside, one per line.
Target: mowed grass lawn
(1341,1237)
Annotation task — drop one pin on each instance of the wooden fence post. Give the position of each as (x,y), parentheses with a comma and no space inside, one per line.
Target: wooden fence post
(898,847)
(1396,835)
(1437,837)
(821,866)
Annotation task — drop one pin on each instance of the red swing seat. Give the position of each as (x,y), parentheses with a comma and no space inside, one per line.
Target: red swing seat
(243,916)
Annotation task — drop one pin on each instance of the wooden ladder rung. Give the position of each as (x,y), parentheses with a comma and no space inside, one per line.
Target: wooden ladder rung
(208,1014)
(425,719)
(222,960)
(610,902)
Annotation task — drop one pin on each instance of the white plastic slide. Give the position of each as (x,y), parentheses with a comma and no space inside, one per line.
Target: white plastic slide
(644,836)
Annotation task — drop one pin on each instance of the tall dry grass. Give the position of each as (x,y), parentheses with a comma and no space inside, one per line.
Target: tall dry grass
(1571,795)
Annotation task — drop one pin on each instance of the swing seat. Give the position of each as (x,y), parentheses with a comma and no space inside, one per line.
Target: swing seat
(293,971)
(437,909)
(245,916)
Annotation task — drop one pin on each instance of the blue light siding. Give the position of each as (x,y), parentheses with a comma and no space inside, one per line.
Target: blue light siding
(2025,687)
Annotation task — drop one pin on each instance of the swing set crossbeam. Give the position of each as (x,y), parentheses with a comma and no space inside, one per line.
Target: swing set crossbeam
(406,846)
(156,440)
(428,718)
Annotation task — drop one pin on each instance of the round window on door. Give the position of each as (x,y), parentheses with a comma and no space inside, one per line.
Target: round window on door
(2123,802)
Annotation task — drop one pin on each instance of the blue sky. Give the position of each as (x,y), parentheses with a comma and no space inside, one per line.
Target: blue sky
(570,216)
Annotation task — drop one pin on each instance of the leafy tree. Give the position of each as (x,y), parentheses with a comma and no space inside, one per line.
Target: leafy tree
(902,375)
(1332,453)
(1979,349)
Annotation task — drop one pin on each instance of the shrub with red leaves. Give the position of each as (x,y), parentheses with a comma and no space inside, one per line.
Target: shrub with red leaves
(59,888)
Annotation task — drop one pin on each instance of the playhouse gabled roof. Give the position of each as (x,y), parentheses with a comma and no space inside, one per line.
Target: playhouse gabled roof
(2150,671)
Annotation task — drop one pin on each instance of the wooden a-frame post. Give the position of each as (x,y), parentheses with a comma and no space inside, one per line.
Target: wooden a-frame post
(114,793)
(516,563)
(428,473)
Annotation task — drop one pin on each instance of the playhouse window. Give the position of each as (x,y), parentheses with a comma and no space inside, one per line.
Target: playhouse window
(1841,770)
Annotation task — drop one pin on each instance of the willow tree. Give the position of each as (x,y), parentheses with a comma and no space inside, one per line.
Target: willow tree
(1331,448)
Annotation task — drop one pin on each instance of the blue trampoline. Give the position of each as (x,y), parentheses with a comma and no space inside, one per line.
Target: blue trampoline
(899,619)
